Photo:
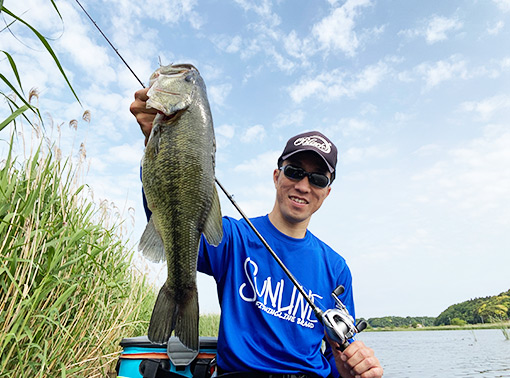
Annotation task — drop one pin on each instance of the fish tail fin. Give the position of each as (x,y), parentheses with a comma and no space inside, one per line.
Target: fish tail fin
(213,229)
(163,317)
(186,326)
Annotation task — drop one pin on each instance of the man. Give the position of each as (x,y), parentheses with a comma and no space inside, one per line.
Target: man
(266,327)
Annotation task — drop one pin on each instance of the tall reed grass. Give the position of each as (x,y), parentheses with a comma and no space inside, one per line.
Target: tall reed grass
(209,325)
(67,292)
(506,332)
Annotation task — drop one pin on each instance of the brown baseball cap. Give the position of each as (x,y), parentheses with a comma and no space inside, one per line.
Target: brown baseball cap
(312,141)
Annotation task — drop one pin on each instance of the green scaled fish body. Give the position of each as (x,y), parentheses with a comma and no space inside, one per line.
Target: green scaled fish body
(178,181)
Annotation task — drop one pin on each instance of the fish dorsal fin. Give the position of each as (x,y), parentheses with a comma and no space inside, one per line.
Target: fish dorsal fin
(151,244)
(213,229)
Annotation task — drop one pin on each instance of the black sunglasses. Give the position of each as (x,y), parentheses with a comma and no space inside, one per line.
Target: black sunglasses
(319,180)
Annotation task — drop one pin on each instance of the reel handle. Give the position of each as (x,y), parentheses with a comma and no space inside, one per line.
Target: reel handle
(361,325)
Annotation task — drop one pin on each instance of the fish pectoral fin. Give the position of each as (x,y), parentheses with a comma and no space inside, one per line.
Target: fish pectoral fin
(153,144)
(151,244)
(213,229)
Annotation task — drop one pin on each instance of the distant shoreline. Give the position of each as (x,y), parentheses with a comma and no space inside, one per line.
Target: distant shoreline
(442,328)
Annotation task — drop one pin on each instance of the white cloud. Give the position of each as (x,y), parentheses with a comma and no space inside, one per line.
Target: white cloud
(226,131)
(43,15)
(443,70)
(263,9)
(128,154)
(298,48)
(494,30)
(428,150)
(439,26)
(281,62)
(224,135)
(335,84)
(505,63)
(260,166)
(290,118)
(504,5)
(487,107)
(228,43)
(337,30)
(474,178)
(353,126)
(218,93)
(308,87)
(171,11)
(435,29)
(369,77)
(401,117)
(82,49)
(362,154)
(255,133)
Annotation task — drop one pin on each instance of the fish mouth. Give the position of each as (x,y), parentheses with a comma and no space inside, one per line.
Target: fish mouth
(186,66)
(176,69)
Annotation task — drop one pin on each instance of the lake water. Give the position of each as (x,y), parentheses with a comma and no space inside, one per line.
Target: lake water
(426,354)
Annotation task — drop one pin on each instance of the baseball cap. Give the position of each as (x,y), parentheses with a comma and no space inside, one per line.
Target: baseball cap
(312,141)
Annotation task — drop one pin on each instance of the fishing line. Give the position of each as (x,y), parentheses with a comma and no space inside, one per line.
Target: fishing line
(318,312)
(112,46)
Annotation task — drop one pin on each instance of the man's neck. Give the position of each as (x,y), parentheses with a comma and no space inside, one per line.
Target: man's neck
(294,230)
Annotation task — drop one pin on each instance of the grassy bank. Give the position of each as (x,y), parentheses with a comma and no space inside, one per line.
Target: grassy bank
(502,326)
(67,292)
(209,326)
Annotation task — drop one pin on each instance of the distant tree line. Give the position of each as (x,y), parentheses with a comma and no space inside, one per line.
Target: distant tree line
(474,311)
(401,322)
(478,310)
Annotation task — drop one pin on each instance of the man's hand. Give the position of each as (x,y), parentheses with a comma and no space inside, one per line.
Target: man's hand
(357,360)
(144,116)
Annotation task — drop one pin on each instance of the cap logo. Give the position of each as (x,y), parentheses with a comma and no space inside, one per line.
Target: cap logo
(315,141)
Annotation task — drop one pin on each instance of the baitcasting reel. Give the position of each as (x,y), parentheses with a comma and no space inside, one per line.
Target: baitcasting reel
(339,325)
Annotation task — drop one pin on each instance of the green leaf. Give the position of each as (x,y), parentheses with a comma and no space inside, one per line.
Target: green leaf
(12,104)
(48,48)
(13,66)
(56,9)
(13,115)
(6,81)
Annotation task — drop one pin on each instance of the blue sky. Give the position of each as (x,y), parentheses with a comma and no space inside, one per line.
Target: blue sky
(414,94)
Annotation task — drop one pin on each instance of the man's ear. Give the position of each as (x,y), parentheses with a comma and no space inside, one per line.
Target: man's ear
(276,174)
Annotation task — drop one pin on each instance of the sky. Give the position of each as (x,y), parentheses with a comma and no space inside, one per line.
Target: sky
(414,94)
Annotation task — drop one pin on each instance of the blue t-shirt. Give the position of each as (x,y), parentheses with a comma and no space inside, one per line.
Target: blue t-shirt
(266,325)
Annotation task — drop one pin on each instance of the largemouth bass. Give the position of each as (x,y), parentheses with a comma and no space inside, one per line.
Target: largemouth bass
(178,181)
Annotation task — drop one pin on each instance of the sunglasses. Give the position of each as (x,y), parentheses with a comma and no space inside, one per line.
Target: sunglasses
(319,180)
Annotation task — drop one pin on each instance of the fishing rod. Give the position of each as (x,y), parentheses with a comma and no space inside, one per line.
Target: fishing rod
(339,324)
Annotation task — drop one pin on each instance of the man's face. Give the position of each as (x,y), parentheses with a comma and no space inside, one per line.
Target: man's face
(298,200)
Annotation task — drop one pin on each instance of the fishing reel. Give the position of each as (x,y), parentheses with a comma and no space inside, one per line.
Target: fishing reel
(339,324)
